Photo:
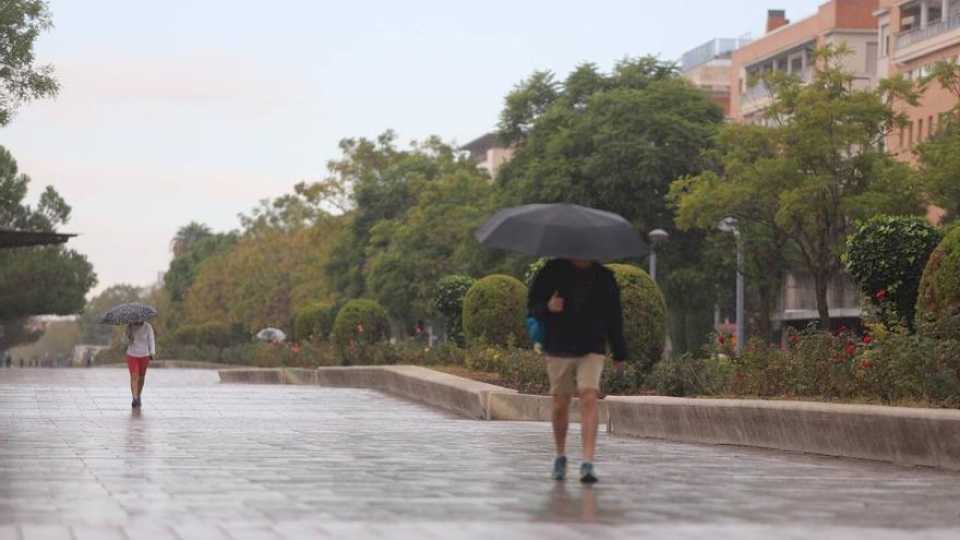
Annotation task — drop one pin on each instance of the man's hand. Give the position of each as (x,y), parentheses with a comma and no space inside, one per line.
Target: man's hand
(555,305)
(619,367)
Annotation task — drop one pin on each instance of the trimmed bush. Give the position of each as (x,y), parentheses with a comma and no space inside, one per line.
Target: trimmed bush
(938,301)
(448,301)
(360,322)
(644,315)
(887,256)
(314,321)
(494,311)
(214,334)
(188,334)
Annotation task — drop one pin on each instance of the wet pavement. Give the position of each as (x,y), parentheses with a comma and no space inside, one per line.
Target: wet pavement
(209,460)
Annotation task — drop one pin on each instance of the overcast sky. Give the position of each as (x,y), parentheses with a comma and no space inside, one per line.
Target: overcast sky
(195,110)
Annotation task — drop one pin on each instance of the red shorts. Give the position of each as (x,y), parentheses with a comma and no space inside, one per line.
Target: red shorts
(138,364)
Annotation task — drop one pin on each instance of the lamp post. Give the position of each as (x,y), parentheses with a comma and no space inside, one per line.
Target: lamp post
(656,236)
(730,225)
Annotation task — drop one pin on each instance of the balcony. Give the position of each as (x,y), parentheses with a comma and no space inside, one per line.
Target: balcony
(912,37)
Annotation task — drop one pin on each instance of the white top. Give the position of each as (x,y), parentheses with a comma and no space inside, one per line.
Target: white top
(142,341)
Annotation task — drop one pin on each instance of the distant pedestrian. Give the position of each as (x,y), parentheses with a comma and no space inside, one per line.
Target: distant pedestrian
(577,302)
(141,348)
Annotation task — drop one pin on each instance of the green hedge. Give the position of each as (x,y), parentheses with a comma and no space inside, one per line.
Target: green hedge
(644,315)
(360,322)
(938,301)
(887,256)
(494,311)
(314,321)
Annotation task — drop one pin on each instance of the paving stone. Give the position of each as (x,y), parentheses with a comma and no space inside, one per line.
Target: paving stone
(210,460)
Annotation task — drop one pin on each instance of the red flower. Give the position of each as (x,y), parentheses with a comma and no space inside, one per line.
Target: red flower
(850,349)
(720,339)
(866,364)
(881,295)
(793,339)
(867,339)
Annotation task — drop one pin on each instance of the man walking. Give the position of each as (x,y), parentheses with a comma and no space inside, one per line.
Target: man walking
(578,303)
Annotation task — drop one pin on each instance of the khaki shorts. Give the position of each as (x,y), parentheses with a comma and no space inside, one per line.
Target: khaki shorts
(569,374)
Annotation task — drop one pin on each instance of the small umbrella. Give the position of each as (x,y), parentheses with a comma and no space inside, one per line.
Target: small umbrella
(128,313)
(271,334)
(562,231)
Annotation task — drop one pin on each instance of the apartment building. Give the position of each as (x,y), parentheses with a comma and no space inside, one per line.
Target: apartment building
(914,35)
(708,68)
(789,46)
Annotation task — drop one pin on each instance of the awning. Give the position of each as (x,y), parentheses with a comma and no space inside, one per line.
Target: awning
(14,239)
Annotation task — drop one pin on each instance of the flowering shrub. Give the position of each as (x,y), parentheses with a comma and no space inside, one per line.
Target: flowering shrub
(887,255)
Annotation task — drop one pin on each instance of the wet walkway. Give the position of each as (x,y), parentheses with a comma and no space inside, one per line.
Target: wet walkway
(209,460)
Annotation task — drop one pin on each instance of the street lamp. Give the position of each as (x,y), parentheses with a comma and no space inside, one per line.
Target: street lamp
(730,225)
(656,236)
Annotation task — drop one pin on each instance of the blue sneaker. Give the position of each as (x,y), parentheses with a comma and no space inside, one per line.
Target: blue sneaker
(587,475)
(559,468)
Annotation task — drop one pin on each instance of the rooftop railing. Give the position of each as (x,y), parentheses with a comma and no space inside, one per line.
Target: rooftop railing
(912,37)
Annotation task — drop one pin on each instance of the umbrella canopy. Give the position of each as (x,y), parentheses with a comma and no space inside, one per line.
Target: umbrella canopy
(271,334)
(128,313)
(562,231)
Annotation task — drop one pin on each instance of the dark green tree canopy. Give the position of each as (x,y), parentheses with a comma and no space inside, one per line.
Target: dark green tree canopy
(21,80)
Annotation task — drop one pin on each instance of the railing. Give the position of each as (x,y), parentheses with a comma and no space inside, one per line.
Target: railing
(912,37)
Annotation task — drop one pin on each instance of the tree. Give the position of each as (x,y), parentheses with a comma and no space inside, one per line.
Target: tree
(21,22)
(616,141)
(187,236)
(91,331)
(49,280)
(385,184)
(808,177)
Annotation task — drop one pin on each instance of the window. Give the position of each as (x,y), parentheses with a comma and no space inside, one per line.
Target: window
(885,40)
(902,133)
(872,60)
(910,134)
(919,130)
(930,131)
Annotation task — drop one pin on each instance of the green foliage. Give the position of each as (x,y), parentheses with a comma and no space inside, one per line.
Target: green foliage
(315,321)
(413,214)
(887,255)
(41,280)
(193,244)
(806,179)
(644,315)
(359,323)
(939,168)
(21,80)
(494,311)
(938,301)
(448,301)
(532,270)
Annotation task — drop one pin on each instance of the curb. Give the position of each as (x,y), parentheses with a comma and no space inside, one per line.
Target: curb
(905,436)
(465,397)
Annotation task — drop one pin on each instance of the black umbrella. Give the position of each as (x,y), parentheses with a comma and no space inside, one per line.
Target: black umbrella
(562,231)
(128,313)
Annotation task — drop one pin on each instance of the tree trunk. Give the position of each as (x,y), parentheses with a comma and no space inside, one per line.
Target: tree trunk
(821,282)
(765,295)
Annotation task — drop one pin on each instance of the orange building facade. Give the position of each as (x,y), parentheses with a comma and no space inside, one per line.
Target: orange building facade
(915,35)
(790,46)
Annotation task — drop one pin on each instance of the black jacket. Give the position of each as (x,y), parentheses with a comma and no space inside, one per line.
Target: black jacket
(592,315)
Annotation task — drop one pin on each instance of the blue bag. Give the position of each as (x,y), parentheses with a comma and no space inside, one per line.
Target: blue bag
(535,330)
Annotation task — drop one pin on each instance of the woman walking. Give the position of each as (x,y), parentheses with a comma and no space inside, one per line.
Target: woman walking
(141,348)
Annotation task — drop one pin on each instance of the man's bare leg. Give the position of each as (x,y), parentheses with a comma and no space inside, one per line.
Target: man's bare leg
(589,422)
(561,421)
